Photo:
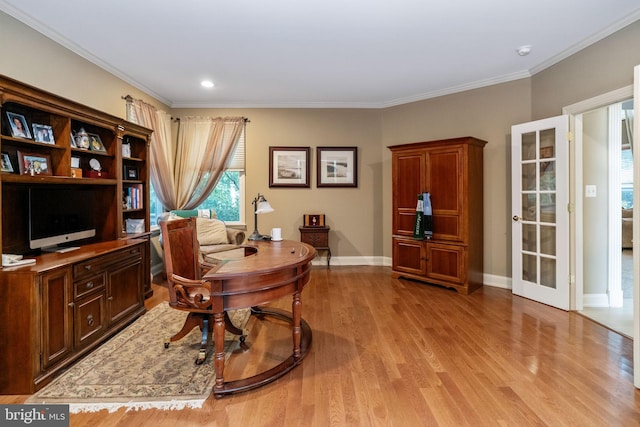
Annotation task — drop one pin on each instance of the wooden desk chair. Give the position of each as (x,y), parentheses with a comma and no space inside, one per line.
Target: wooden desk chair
(187,290)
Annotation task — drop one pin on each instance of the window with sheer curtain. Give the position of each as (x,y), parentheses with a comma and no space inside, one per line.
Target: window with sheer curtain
(228,195)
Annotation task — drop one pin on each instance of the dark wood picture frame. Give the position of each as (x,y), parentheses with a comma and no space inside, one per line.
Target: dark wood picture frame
(337,166)
(34,163)
(131,173)
(289,167)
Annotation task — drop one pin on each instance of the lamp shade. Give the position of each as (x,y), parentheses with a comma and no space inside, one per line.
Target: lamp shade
(263,207)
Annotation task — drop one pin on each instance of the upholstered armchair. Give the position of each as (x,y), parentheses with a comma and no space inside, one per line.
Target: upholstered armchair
(213,235)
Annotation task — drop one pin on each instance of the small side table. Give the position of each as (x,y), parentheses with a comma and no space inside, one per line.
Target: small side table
(318,237)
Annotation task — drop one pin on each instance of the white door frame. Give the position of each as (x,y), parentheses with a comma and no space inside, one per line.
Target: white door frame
(575,112)
(575,123)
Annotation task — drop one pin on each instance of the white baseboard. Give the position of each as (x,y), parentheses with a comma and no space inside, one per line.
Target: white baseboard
(595,300)
(321,259)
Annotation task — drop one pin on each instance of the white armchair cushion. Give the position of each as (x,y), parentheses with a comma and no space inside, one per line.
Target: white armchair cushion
(211,232)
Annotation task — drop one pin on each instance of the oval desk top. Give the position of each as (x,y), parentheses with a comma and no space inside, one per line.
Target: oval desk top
(269,256)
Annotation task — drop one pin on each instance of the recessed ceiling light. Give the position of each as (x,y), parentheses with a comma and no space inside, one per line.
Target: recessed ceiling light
(207,83)
(524,50)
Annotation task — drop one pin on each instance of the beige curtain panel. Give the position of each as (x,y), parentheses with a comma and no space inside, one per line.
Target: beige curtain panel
(185,170)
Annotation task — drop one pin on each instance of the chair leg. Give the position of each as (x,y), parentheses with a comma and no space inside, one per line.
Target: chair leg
(193,320)
(230,327)
(204,341)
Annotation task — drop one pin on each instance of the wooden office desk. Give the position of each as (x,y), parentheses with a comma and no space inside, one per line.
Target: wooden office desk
(269,270)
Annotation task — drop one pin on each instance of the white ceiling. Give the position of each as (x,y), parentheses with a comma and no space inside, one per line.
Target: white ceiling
(320,53)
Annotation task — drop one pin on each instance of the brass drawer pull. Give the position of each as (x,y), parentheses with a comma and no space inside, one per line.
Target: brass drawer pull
(90,320)
(90,285)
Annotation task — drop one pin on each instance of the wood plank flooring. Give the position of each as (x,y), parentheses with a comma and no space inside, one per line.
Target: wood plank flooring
(390,352)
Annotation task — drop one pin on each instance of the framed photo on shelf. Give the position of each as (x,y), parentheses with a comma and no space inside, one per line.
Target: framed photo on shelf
(131,173)
(6,163)
(289,167)
(19,128)
(337,166)
(73,140)
(43,133)
(95,143)
(34,163)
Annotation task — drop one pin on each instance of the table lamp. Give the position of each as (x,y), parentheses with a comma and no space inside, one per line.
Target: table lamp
(261,206)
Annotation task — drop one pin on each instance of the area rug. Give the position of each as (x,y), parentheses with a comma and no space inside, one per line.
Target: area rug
(133,370)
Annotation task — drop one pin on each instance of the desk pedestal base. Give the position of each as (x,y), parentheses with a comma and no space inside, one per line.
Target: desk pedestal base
(236,386)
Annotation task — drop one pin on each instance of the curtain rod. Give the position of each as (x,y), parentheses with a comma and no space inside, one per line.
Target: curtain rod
(129,98)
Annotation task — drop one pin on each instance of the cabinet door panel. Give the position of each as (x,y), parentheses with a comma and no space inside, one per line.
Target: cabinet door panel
(445,184)
(409,256)
(408,182)
(446,262)
(56,317)
(124,295)
(89,319)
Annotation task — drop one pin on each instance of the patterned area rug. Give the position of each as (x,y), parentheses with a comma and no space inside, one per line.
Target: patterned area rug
(135,371)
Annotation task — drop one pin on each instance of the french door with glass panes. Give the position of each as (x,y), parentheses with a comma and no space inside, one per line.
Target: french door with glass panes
(540,216)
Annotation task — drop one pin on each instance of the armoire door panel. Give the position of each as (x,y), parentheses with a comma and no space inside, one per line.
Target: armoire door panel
(446,262)
(445,179)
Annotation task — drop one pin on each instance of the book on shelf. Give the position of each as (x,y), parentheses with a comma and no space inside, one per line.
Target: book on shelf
(132,197)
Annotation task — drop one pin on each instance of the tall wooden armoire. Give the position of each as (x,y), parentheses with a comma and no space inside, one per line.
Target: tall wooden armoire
(451,171)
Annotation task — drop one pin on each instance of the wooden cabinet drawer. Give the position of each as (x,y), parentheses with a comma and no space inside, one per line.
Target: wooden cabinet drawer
(94,265)
(318,237)
(88,285)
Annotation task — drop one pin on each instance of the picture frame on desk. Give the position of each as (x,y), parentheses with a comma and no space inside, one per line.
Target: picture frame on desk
(6,163)
(337,166)
(289,167)
(34,163)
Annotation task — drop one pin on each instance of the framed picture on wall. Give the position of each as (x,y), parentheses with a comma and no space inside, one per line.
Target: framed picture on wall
(289,167)
(337,166)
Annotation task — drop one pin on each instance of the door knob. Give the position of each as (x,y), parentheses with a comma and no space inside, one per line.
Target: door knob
(516,218)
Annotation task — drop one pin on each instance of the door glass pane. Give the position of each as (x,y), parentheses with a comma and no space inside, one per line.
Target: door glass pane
(529,238)
(529,146)
(529,206)
(548,240)
(548,175)
(547,143)
(529,177)
(548,207)
(548,272)
(529,268)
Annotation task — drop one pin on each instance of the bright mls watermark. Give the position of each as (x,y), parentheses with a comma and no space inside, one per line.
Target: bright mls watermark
(34,415)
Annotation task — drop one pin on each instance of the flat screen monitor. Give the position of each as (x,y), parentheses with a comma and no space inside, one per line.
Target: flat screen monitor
(58,217)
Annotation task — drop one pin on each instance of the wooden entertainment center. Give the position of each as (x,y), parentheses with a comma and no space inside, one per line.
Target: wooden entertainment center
(67,303)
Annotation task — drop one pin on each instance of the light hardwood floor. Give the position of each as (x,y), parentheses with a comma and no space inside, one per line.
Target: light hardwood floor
(392,352)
